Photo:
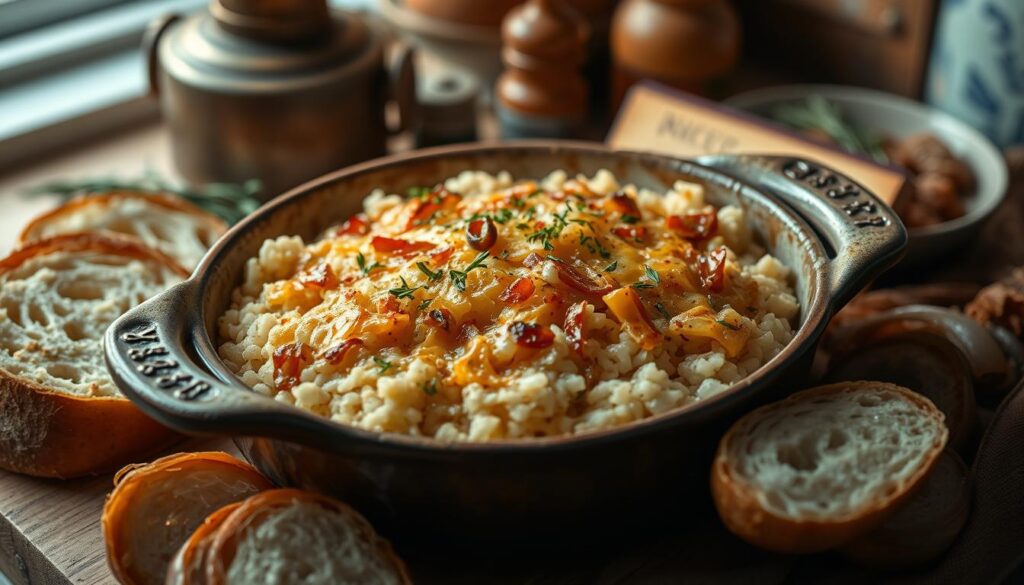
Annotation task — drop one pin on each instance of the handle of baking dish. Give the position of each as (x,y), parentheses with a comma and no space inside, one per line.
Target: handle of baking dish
(151,48)
(154,357)
(865,235)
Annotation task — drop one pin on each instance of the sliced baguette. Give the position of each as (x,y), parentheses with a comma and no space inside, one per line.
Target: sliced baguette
(294,536)
(60,413)
(189,565)
(156,506)
(824,466)
(924,362)
(169,224)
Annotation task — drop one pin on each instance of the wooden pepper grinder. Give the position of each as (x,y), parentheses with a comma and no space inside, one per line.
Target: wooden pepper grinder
(542,93)
(688,44)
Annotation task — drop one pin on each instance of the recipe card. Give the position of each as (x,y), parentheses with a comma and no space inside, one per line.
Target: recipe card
(660,119)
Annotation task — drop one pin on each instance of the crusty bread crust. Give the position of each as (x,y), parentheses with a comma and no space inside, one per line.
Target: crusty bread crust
(742,512)
(37,229)
(51,434)
(224,544)
(54,434)
(130,487)
(189,565)
(118,244)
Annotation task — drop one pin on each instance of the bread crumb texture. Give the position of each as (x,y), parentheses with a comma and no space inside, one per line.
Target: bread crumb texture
(306,543)
(56,308)
(834,454)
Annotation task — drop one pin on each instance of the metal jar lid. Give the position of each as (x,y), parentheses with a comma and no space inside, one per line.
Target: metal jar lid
(260,46)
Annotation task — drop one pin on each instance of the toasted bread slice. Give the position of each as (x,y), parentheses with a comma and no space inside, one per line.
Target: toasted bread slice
(169,224)
(60,413)
(925,526)
(155,507)
(824,466)
(189,565)
(293,536)
(924,362)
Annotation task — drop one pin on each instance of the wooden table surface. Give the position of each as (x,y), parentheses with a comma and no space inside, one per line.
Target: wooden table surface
(50,530)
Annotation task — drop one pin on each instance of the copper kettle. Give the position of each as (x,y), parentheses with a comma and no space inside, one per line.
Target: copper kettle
(280,91)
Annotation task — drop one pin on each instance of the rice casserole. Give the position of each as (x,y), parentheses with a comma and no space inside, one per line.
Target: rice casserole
(490,308)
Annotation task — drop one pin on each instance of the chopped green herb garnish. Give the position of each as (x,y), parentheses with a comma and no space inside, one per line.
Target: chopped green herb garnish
(544,236)
(630,219)
(662,310)
(611,267)
(383,364)
(430,388)
(652,274)
(727,324)
(404,291)
(503,215)
(428,272)
(423,306)
(458,277)
(653,278)
(361,261)
(417,192)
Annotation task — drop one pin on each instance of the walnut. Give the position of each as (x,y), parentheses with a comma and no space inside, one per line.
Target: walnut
(1001,303)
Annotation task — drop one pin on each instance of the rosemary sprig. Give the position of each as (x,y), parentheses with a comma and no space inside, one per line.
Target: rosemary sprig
(361,261)
(405,291)
(817,113)
(459,276)
(430,274)
(230,201)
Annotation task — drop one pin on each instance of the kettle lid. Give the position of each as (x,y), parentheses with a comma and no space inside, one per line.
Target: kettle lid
(268,46)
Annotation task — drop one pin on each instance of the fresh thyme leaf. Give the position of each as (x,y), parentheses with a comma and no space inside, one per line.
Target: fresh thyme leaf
(404,291)
(430,273)
(522,226)
(503,215)
(430,388)
(478,261)
(383,364)
(458,277)
(630,219)
(417,192)
(652,274)
(361,261)
(423,306)
(611,267)
(662,310)
(727,324)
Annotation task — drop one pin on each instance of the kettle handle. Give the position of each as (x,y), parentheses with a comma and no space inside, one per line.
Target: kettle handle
(150,45)
(401,80)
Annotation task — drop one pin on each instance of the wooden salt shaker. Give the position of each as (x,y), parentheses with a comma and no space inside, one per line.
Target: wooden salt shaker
(687,44)
(542,93)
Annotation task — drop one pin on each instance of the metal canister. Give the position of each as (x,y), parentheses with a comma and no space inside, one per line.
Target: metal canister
(277,91)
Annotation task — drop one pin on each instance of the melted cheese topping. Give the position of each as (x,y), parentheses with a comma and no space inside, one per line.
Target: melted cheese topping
(487,287)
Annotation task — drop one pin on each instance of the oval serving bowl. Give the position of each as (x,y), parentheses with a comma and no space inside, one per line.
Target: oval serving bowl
(900,117)
(833,234)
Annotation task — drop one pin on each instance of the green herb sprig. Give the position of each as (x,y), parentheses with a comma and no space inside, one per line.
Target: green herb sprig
(458,277)
(230,201)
